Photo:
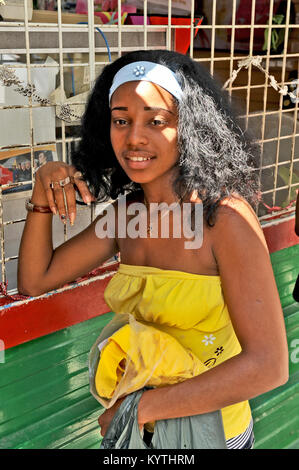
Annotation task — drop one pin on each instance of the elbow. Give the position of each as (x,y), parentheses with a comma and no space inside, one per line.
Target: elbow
(268,371)
(282,373)
(29,289)
(278,373)
(281,379)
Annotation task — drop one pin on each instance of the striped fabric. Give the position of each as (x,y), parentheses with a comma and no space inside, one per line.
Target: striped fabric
(238,442)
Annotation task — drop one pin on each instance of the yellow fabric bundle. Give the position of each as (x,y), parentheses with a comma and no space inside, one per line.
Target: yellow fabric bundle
(150,357)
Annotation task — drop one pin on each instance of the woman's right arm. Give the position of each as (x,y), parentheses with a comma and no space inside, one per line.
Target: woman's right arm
(41,268)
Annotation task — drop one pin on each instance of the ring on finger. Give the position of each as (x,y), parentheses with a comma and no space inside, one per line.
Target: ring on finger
(63,182)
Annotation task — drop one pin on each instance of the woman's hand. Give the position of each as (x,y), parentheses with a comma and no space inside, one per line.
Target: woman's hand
(42,268)
(105,419)
(62,199)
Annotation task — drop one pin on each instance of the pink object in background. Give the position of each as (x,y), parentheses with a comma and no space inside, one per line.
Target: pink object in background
(136,19)
(103,6)
(108,5)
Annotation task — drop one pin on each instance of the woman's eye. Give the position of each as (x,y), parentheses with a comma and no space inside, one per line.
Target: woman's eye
(120,122)
(158,122)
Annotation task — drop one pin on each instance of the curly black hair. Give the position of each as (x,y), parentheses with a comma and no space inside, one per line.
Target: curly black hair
(216,157)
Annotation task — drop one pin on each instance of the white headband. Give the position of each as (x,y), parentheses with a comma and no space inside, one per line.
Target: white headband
(150,72)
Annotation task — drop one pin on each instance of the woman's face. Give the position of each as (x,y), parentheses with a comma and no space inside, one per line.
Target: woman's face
(144,130)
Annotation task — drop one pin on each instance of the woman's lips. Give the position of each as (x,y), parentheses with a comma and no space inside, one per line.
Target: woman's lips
(138,160)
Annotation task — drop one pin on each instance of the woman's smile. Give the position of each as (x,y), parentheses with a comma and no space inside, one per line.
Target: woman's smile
(138,160)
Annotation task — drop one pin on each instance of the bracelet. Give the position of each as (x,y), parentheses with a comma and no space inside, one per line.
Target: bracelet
(33,208)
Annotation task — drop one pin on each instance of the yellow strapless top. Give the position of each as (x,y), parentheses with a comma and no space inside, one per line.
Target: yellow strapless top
(189,308)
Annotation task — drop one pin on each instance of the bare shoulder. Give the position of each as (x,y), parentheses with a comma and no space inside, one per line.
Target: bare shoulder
(236,206)
(236,223)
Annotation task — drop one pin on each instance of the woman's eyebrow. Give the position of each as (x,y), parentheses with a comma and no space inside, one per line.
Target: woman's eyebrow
(120,108)
(146,108)
(149,108)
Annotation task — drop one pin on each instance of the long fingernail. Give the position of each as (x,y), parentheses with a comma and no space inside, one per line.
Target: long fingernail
(72,218)
(63,218)
(53,209)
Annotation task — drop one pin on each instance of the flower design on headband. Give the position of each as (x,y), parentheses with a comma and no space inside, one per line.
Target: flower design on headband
(139,70)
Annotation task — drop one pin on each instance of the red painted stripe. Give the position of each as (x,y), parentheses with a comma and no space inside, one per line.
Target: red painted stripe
(281,236)
(25,322)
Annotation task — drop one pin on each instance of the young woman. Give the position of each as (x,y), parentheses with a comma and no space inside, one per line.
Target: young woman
(158,128)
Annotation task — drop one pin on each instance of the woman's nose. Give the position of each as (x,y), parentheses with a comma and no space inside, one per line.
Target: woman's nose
(136,135)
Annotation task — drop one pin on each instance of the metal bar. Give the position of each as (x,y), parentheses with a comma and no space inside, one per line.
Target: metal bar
(10,222)
(256,113)
(281,98)
(250,66)
(266,88)
(293,138)
(6,26)
(286,186)
(145,24)
(91,41)
(232,45)
(213,38)
(192,28)
(61,75)
(82,28)
(119,27)
(11,258)
(29,81)
(128,48)
(63,145)
(168,34)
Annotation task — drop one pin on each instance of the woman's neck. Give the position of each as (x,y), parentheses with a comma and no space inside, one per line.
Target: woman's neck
(159,191)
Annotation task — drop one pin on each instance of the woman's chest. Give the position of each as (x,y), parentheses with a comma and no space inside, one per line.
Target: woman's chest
(170,253)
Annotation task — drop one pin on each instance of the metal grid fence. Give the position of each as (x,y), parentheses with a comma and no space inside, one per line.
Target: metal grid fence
(228,42)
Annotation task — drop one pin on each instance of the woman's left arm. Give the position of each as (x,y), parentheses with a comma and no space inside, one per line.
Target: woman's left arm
(253,302)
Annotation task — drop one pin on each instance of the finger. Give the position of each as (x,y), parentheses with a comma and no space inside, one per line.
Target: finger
(84,191)
(102,432)
(45,182)
(70,197)
(51,200)
(81,186)
(59,200)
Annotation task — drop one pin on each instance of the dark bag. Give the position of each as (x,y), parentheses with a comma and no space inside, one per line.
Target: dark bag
(296,290)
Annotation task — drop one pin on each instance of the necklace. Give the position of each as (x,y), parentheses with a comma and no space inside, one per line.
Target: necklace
(149,226)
